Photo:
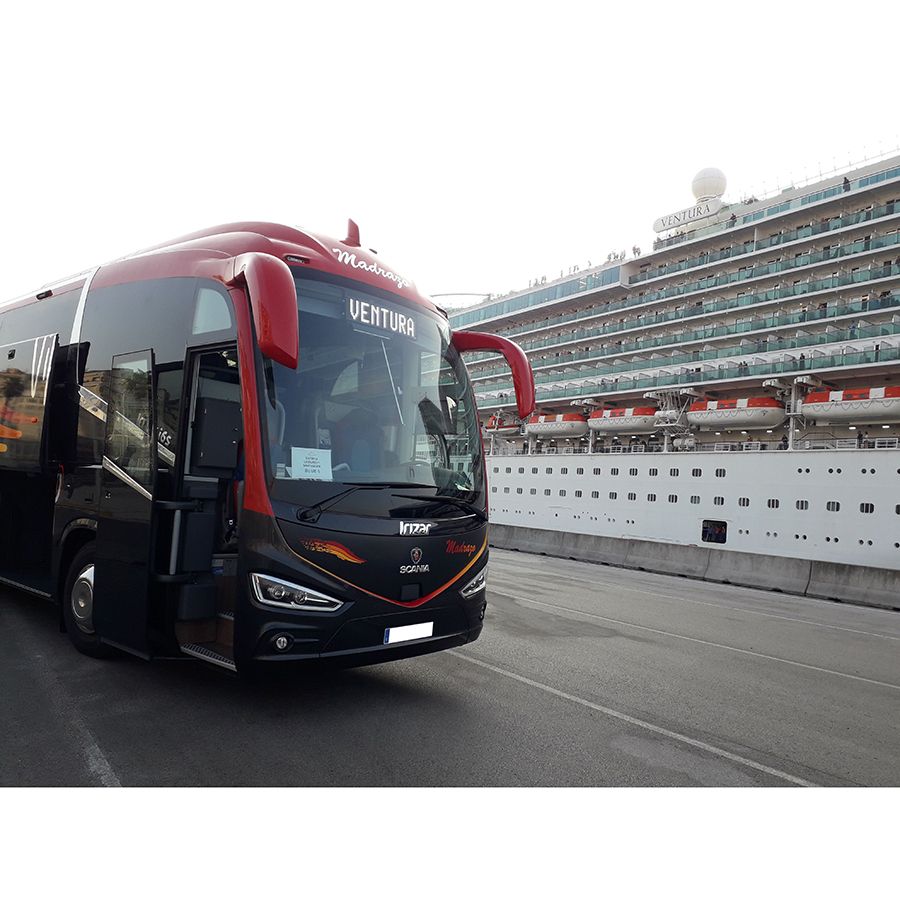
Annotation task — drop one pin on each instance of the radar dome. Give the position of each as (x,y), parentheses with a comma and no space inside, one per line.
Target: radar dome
(709,183)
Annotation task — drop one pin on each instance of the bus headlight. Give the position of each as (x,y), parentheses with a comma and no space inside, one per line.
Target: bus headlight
(276,592)
(478,583)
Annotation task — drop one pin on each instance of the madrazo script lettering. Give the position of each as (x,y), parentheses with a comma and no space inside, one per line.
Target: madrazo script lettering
(349,259)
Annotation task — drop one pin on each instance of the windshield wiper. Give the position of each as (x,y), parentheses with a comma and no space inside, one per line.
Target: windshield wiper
(454,501)
(312,513)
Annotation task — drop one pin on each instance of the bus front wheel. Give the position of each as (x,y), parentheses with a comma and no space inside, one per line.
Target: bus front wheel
(78,605)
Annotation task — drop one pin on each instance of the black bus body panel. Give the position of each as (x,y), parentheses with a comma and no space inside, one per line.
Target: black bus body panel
(353,634)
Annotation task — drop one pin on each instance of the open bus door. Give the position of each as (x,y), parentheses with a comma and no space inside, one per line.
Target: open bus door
(122,576)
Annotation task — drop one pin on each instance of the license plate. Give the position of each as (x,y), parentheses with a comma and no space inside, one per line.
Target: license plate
(408,632)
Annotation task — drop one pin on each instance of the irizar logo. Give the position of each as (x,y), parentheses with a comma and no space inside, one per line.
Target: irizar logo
(414,529)
(416,556)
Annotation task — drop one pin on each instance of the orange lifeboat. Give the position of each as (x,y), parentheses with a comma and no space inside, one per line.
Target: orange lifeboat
(872,405)
(501,426)
(632,419)
(564,425)
(746,412)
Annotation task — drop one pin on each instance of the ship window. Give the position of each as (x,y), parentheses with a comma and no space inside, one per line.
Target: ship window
(696,472)
(632,471)
(714,532)
(719,501)
(673,498)
(546,492)
(673,473)
(613,471)
(521,470)
(773,503)
(596,471)
(595,494)
(564,471)
(695,498)
(533,491)
(720,473)
(579,471)
(506,490)
(577,493)
(651,498)
(803,504)
(548,470)
(867,507)
(493,490)
(743,501)
(496,470)
(654,471)
(508,470)
(632,496)
(833,506)
(613,495)
(534,470)
(518,490)
(562,493)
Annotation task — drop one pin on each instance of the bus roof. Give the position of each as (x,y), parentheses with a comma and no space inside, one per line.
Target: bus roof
(205,252)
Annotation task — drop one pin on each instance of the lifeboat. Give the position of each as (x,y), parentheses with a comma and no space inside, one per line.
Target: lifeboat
(874,405)
(745,413)
(561,425)
(501,426)
(632,419)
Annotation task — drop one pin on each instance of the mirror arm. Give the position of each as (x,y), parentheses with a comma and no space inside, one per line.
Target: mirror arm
(273,302)
(523,377)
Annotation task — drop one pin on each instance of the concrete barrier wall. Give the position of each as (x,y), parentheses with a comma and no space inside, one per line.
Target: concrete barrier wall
(854,584)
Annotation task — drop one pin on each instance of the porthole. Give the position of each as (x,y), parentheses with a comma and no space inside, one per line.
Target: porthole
(546,492)
(655,472)
(695,499)
(577,493)
(595,495)
(743,501)
(803,504)
(632,471)
(773,503)
(720,473)
(613,495)
(673,473)
(506,490)
(548,471)
(518,490)
(596,471)
(673,498)
(632,496)
(867,507)
(651,498)
(719,501)
(564,471)
(508,470)
(521,470)
(833,506)
(533,491)
(579,471)
(534,470)
(613,471)
(696,473)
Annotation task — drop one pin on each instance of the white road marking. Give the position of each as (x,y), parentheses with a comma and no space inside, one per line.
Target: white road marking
(639,723)
(684,637)
(64,709)
(752,612)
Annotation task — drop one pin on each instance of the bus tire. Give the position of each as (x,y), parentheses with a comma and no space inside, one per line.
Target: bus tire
(77,603)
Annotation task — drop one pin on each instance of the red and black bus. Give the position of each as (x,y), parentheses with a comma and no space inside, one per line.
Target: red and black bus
(251,444)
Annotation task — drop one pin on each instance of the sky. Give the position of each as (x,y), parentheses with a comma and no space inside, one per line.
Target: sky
(478,145)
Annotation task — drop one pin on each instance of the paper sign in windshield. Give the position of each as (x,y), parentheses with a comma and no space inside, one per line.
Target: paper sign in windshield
(309,463)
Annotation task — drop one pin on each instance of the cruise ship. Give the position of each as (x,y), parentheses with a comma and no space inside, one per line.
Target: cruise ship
(726,406)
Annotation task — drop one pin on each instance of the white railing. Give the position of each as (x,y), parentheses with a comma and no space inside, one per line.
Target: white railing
(887,443)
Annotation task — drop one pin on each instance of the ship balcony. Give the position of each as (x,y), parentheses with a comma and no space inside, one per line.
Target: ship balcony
(879,279)
(786,239)
(881,353)
(833,315)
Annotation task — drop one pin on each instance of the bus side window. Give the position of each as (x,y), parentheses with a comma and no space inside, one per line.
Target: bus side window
(212,312)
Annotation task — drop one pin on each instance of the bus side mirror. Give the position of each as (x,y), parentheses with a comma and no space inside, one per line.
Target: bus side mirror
(523,377)
(273,301)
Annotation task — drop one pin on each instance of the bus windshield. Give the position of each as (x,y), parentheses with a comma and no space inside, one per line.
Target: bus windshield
(380,397)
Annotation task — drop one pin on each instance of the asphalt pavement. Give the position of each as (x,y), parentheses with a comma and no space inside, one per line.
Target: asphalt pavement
(585,675)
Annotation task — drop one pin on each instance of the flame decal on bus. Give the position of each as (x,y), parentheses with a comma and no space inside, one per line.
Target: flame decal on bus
(335,549)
